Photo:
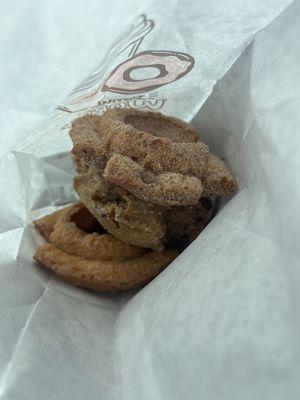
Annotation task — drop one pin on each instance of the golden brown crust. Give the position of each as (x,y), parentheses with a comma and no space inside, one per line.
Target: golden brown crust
(87,141)
(137,144)
(217,180)
(156,124)
(187,222)
(79,165)
(121,214)
(68,237)
(46,224)
(135,221)
(102,275)
(91,134)
(172,189)
(91,260)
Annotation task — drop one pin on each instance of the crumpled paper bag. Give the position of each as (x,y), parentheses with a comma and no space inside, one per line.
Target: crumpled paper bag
(222,320)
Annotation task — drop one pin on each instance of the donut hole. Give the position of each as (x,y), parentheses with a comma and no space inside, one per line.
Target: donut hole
(86,222)
(157,126)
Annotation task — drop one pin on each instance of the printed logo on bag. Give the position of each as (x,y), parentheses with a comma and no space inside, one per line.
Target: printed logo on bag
(142,72)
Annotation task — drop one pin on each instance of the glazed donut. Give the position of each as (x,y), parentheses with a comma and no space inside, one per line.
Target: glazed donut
(170,66)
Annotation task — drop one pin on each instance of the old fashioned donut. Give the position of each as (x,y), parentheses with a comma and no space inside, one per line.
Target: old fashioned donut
(171,188)
(99,275)
(169,65)
(137,222)
(75,232)
(80,257)
(79,165)
(92,134)
(45,225)
(185,223)
(217,180)
(127,218)
(154,145)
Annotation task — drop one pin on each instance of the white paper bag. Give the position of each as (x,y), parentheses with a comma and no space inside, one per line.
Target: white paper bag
(222,321)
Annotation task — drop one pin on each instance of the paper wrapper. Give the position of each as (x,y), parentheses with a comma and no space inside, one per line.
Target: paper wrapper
(222,321)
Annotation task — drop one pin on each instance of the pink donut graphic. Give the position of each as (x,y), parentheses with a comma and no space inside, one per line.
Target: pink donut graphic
(170,66)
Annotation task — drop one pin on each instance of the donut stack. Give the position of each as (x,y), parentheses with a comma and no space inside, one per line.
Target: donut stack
(145,177)
(147,181)
(79,251)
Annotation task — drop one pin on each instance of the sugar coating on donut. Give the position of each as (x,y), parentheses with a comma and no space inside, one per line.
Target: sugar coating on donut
(151,143)
(170,188)
(154,157)
(217,180)
(154,123)
(89,144)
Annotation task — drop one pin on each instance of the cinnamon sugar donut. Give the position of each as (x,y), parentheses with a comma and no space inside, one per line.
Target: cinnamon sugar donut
(99,275)
(77,232)
(140,145)
(95,260)
(137,222)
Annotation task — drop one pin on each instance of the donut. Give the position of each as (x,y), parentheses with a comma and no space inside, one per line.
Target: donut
(75,232)
(174,189)
(156,155)
(121,214)
(169,188)
(169,65)
(217,180)
(99,275)
(94,260)
(138,222)
(45,225)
